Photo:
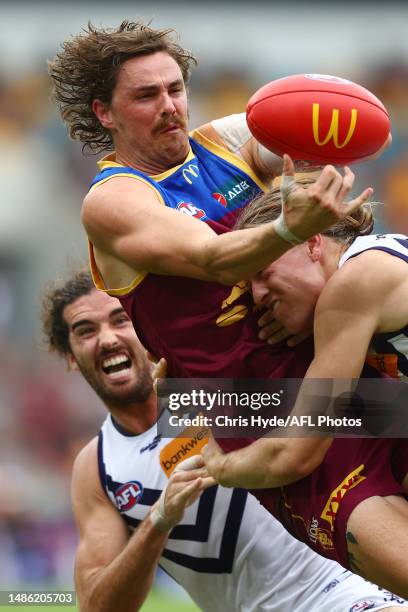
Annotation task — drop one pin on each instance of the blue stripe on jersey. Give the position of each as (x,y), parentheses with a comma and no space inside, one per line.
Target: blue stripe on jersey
(403,242)
(121,429)
(200,531)
(148,498)
(385,249)
(101,464)
(214,189)
(223,564)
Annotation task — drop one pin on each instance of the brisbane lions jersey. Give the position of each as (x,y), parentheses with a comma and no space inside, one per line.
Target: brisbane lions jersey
(203,329)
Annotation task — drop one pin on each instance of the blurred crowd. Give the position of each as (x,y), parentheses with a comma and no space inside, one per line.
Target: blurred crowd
(46,415)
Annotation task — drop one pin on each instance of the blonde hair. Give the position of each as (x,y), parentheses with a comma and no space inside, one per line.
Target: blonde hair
(268,206)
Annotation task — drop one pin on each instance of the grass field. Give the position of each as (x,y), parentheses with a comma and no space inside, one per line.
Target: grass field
(160,602)
(156,602)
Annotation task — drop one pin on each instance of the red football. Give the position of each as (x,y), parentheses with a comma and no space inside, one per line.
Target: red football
(318,118)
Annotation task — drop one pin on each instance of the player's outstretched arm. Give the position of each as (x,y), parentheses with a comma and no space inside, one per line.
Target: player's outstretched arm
(365,296)
(112,571)
(266,463)
(125,220)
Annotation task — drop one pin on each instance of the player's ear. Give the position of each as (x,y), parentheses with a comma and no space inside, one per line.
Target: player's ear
(314,247)
(71,363)
(103,113)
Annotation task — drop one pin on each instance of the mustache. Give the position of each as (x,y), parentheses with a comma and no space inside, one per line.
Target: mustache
(165,123)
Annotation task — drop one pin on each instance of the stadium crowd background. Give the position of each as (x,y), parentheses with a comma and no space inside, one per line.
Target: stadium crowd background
(46,415)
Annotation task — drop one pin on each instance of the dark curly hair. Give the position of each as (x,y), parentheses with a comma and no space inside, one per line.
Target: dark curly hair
(267,207)
(88,66)
(56,297)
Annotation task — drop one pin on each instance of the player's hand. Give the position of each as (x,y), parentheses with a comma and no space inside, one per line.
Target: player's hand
(310,210)
(214,458)
(186,483)
(273,331)
(159,369)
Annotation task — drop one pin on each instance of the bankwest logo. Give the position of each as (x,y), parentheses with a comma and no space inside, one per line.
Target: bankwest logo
(334,127)
(179,449)
(333,503)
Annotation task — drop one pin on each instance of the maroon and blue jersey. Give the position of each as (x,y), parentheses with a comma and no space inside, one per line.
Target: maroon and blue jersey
(203,329)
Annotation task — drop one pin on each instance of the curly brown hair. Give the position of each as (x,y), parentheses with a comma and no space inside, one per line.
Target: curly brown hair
(56,297)
(88,66)
(267,207)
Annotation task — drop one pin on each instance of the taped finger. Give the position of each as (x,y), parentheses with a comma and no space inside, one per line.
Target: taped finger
(286,186)
(192,463)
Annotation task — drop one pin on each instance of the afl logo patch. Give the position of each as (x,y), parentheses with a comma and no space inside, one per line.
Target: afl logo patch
(128,495)
(363,605)
(189,209)
(220,198)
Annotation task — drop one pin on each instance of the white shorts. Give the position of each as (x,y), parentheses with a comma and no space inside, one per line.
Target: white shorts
(351,593)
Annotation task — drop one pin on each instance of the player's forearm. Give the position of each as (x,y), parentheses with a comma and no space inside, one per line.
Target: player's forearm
(239,255)
(125,583)
(271,462)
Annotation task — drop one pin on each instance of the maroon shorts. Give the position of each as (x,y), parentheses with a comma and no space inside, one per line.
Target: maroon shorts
(316,509)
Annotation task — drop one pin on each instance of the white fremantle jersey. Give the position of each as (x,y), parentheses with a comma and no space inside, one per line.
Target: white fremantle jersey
(228,552)
(391,349)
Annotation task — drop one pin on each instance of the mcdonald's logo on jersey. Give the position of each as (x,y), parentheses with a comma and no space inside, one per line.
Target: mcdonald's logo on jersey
(333,132)
(190,171)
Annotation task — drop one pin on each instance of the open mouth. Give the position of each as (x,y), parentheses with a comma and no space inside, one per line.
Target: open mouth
(116,366)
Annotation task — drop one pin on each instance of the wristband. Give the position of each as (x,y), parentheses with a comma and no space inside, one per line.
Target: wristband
(158,511)
(284,232)
(287,183)
(158,519)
